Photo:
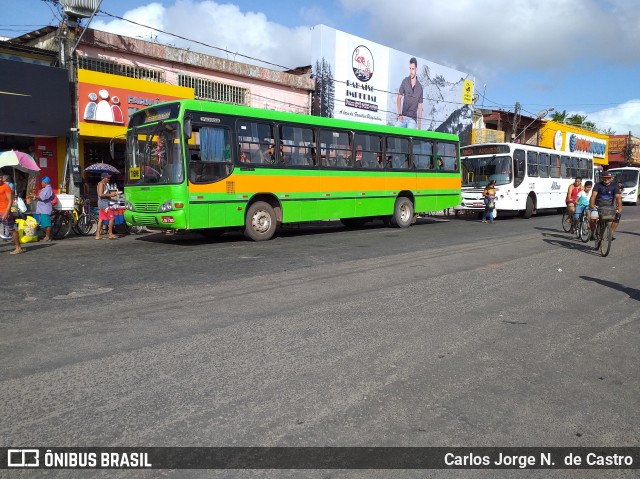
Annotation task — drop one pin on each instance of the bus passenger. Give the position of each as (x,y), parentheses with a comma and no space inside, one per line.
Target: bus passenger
(270,154)
(572,194)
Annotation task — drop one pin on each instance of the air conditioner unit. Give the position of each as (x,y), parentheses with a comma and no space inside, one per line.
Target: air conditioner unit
(80,8)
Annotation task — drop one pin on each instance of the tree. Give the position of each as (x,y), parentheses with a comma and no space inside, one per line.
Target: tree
(323,97)
(559,116)
(577,120)
(609,132)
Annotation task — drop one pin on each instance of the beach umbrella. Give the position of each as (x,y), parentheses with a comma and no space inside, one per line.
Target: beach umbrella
(19,161)
(102,168)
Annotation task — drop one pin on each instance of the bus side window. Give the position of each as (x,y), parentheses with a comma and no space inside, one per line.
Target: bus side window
(543,165)
(554,170)
(565,170)
(532,163)
(518,167)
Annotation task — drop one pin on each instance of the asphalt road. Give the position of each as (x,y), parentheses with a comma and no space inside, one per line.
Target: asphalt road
(448,333)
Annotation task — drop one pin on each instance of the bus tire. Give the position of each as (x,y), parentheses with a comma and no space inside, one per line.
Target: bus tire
(402,213)
(260,223)
(528,209)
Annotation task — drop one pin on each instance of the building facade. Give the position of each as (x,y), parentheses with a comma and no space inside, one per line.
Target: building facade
(35,106)
(498,126)
(624,150)
(117,75)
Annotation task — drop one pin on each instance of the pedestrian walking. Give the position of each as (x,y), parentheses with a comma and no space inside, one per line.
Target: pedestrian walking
(489,195)
(7,219)
(44,208)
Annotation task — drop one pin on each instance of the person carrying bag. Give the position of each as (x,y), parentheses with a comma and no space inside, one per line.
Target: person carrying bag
(489,195)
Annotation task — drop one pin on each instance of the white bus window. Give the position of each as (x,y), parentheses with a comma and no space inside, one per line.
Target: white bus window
(543,165)
(532,163)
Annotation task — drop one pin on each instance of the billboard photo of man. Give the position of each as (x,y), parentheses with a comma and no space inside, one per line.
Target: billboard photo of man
(409,100)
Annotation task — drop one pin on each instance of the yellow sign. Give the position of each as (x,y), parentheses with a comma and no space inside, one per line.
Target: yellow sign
(134,173)
(467,92)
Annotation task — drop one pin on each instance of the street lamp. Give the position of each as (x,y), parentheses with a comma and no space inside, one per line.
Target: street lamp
(538,117)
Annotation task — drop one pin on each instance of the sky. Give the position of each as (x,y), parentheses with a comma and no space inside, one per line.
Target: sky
(580,56)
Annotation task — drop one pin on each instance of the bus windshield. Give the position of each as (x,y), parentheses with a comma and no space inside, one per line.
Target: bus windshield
(154,155)
(478,171)
(628,178)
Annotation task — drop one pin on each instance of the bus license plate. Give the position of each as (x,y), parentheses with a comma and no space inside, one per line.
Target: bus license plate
(167,219)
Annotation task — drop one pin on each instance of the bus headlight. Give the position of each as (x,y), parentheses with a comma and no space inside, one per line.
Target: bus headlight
(129,206)
(632,192)
(166,206)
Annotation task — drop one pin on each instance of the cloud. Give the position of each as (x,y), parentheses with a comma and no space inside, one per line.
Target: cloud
(151,15)
(621,118)
(220,25)
(538,47)
(497,34)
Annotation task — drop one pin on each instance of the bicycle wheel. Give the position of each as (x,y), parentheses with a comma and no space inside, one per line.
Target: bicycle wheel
(74,222)
(584,231)
(566,226)
(60,226)
(598,235)
(87,225)
(605,243)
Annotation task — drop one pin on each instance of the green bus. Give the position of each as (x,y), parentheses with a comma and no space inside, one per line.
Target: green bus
(203,166)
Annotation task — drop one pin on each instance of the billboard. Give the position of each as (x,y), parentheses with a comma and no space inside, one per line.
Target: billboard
(360,80)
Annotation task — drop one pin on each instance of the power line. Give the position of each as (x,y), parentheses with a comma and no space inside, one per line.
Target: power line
(197,41)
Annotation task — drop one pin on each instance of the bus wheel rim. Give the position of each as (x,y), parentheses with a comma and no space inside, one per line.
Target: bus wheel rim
(405,212)
(261,222)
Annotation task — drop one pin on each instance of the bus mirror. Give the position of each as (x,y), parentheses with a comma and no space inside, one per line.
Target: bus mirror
(188,131)
(112,147)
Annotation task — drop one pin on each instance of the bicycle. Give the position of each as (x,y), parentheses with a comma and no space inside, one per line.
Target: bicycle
(566,225)
(61,221)
(85,223)
(604,234)
(583,228)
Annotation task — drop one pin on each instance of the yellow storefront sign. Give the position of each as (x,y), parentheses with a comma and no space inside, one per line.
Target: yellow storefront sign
(467,92)
(571,138)
(106,101)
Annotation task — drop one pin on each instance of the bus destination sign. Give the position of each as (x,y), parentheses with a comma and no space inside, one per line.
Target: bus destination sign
(484,150)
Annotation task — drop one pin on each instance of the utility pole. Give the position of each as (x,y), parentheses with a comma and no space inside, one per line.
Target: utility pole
(74,10)
(516,120)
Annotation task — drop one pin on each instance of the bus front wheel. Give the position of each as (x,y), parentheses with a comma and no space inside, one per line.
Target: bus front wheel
(402,213)
(528,208)
(260,222)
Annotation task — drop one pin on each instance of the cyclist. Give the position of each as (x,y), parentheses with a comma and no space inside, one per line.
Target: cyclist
(582,201)
(605,193)
(572,194)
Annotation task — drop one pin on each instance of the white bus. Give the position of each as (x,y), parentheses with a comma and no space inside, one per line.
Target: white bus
(629,177)
(528,178)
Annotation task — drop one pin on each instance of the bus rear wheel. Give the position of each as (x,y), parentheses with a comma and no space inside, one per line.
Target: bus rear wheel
(260,222)
(402,213)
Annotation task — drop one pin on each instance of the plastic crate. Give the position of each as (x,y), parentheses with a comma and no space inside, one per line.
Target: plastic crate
(65,202)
